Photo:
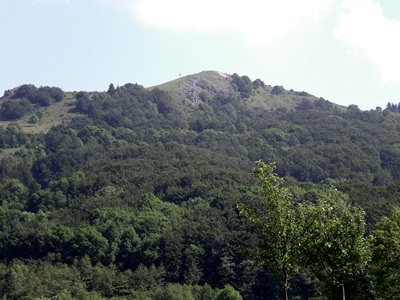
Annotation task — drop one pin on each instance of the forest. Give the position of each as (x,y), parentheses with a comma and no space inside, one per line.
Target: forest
(142,196)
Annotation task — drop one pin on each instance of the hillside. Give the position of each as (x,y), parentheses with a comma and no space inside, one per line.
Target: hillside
(186,92)
(132,193)
(208,84)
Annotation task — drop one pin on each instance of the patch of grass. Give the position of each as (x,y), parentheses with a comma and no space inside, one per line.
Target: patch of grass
(53,115)
(9,151)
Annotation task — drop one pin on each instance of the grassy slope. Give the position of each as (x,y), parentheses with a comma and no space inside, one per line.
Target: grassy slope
(186,93)
(186,90)
(53,115)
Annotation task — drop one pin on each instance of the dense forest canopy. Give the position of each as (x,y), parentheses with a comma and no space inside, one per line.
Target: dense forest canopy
(132,193)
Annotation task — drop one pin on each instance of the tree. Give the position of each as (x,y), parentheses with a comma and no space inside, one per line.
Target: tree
(82,102)
(228,293)
(385,264)
(305,104)
(258,83)
(88,241)
(27,91)
(111,89)
(55,92)
(33,119)
(281,229)
(14,109)
(243,84)
(277,90)
(334,248)
(353,108)
(14,192)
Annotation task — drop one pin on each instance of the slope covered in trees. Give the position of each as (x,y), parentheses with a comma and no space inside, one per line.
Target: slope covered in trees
(136,196)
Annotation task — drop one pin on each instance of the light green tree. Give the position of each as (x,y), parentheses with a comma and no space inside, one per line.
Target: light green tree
(281,228)
(34,119)
(228,293)
(385,264)
(335,248)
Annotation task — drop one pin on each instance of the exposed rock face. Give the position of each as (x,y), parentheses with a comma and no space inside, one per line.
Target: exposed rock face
(210,82)
(197,85)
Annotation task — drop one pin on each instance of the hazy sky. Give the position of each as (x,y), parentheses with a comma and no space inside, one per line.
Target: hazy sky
(347,51)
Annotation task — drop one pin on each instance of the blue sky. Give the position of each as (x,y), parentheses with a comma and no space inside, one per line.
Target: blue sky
(347,51)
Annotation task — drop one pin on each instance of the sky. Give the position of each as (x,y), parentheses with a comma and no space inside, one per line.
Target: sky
(346,51)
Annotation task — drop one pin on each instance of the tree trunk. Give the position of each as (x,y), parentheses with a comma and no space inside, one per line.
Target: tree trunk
(343,292)
(286,283)
(286,292)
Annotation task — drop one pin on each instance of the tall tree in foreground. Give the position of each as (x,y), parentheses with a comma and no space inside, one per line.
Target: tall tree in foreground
(326,237)
(281,227)
(385,264)
(335,248)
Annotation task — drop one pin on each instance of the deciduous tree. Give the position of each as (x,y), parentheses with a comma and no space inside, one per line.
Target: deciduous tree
(385,265)
(281,229)
(335,248)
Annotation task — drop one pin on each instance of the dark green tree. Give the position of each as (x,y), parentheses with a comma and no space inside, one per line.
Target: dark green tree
(277,90)
(258,83)
(14,109)
(27,91)
(243,84)
(111,89)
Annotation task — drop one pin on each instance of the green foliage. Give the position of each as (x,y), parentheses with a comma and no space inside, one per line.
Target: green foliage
(14,193)
(36,279)
(14,109)
(111,89)
(326,237)
(82,102)
(243,85)
(258,83)
(33,119)
(335,247)
(44,95)
(174,292)
(136,198)
(281,228)
(88,241)
(228,293)
(277,90)
(27,91)
(385,244)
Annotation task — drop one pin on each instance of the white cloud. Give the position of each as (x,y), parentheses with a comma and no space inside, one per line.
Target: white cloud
(258,20)
(363,27)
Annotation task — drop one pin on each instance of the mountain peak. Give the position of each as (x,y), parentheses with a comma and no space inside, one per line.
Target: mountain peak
(190,89)
(187,89)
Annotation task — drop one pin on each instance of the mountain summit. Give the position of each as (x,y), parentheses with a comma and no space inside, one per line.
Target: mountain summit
(38,109)
(192,89)
(188,89)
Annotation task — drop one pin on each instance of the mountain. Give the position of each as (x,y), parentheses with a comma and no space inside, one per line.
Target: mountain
(132,193)
(192,88)
(186,92)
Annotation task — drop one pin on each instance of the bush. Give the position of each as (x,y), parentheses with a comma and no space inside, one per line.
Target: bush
(14,109)
(277,90)
(228,293)
(243,84)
